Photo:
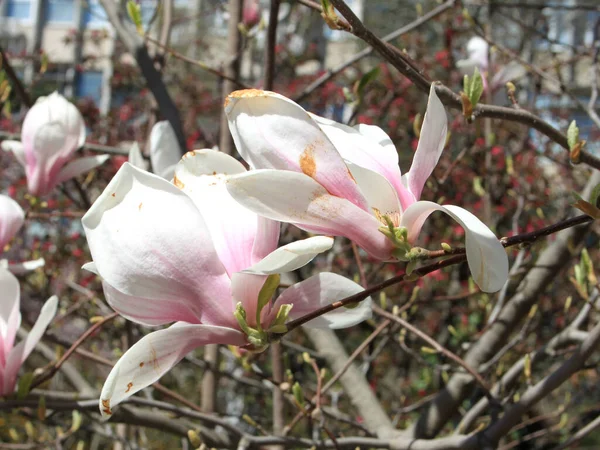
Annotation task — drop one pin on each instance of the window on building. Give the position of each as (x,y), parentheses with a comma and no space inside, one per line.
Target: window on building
(94,13)
(89,85)
(18,9)
(62,11)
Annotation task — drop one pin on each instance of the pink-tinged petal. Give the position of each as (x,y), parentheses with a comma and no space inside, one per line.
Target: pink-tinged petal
(16,147)
(12,218)
(322,290)
(154,355)
(245,288)
(148,240)
(52,131)
(267,237)
(147,311)
(272,132)
(298,199)
(382,197)
(21,351)
(203,174)
(21,268)
(164,149)
(485,254)
(366,146)
(135,157)
(10,317)
(292,256)
(431,144)
(80,166)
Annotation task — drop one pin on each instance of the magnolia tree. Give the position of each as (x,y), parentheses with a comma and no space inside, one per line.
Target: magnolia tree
(190,301)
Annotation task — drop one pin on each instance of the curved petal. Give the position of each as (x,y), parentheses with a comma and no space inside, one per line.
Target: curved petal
(147,311)
(366,146)
(485,254)
(21,268)
(292,256)
(202,174)
(431,144)
(245,288)
(322,290)
(21,351)
(148,239)
(164,149)
(80,166)
(272,132)
(154,355)
(298,199)
(135,157)
(10,317)
(382,197)
(16,147)
(12,218)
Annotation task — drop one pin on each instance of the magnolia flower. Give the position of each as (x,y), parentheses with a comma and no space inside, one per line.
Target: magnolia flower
(52,131)
(12,356)
(12,218)
(186,252)
(332,179)
(477,57)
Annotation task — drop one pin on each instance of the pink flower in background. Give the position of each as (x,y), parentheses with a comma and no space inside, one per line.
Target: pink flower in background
(332,179)
(186,252)
(52,131)
(12,356)
(251,13)
(12,218)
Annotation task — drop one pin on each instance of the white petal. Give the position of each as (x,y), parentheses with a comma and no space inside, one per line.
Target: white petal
(90,267)
(378,191)
(16,147)
(79,166)
(154,355)
(485,254)
(322,290)
(431,144)
(25,266)
(148,239)
(292,256)
(296,198)
(164,149)
(135,157)
(366,146)
(203,174)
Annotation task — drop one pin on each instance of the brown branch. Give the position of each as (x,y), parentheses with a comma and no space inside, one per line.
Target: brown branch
(437,346)
(331,73)
(56,367)
(406,66)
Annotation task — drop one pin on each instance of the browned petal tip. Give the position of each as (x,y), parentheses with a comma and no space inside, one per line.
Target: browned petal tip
(244,93)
